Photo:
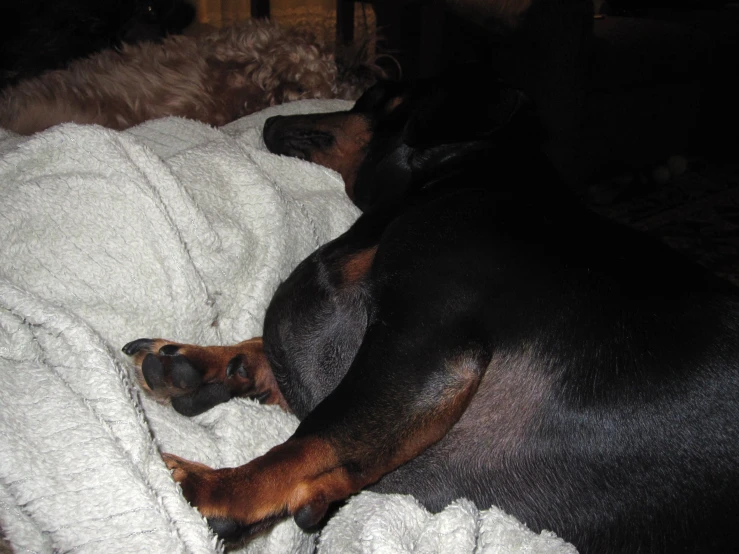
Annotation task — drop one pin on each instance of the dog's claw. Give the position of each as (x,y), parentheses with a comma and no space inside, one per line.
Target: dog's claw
(182,467)
(137,345)
(175,463)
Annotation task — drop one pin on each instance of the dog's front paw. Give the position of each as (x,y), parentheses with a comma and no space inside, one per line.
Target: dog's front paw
(196,378)
(208,490)
(176,372)
(163,369)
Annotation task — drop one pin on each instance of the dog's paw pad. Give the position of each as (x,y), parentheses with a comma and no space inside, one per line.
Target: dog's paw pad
(227,529)
(202,399)
(153,371)
(236,368)
(184,374)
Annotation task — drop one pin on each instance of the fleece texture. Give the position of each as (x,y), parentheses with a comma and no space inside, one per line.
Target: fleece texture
(177,230)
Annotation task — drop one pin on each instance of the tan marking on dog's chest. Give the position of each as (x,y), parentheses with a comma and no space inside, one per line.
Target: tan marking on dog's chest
(357,265)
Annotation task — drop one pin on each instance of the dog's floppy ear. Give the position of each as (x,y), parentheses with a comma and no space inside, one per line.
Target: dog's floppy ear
(381,98)
(461,114)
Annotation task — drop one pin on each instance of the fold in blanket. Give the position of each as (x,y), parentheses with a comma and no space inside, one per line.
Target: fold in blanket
(171,229)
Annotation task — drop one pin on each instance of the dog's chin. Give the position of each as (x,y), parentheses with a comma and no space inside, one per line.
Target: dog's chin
(292,152)
(299,145)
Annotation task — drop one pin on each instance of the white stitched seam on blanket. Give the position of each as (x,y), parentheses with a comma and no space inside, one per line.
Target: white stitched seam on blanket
(108,539)
(105,518)
(16,506)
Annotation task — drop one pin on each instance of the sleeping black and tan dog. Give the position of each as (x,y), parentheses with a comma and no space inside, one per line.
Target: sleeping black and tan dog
(477,334)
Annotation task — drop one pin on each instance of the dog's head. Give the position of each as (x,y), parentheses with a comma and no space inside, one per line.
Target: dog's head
(398,136)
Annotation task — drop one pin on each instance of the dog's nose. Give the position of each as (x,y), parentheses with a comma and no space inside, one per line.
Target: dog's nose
(269,133)
(272,120)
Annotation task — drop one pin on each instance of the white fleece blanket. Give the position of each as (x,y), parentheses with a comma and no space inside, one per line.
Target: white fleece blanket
(172,229)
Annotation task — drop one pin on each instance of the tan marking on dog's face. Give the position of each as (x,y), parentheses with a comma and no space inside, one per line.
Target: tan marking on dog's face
(394,103)
(352,134)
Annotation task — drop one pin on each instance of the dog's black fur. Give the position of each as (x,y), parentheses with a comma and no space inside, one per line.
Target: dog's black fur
(608,407)
(477,333)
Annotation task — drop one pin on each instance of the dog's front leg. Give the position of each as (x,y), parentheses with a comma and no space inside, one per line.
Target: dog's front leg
(402,393)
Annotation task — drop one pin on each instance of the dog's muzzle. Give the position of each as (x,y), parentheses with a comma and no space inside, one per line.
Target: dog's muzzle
(283,135)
